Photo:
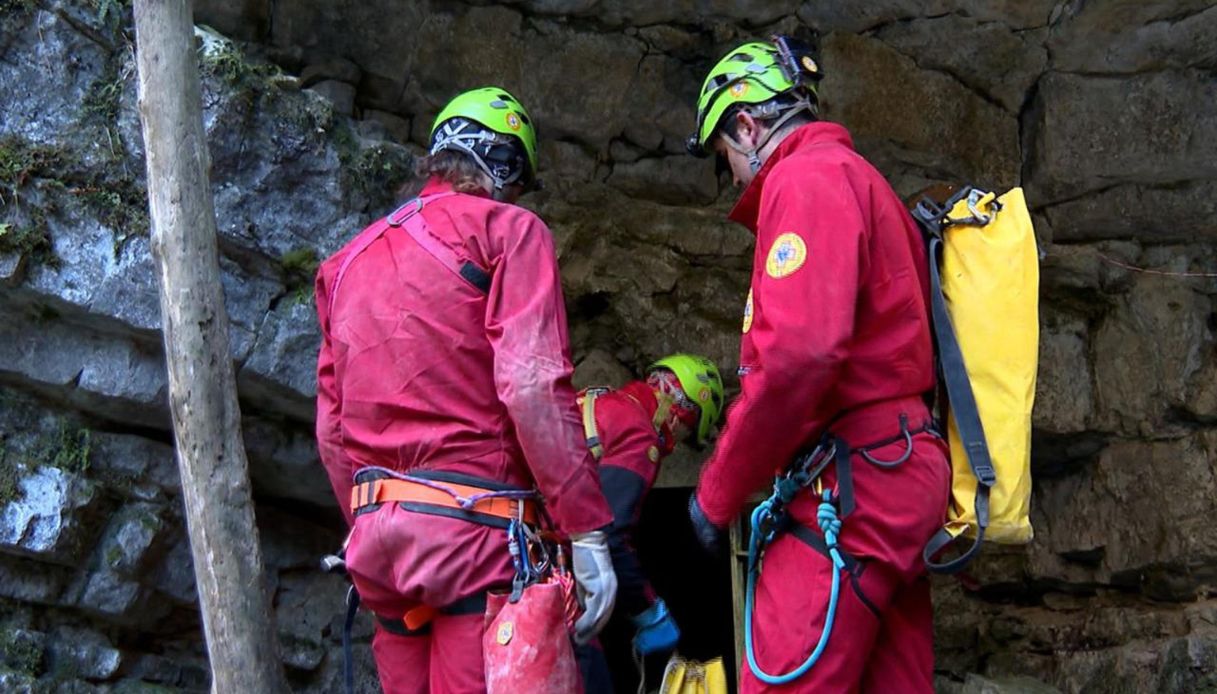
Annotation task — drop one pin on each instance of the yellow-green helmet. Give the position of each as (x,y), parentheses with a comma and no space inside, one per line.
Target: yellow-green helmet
(754,73)
(699,379)
(499,114)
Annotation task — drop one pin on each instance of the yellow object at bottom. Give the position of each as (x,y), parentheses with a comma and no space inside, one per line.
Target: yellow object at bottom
(683,676)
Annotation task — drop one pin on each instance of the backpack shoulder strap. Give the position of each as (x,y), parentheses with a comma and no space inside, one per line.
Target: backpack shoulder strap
(960,399)
(587,403)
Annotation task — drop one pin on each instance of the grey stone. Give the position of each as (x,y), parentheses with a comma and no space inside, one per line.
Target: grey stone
(107,594)
(1064,392)
(337,69)
(16,682)
(976,684)
(112,376)
(1146,351)
(281,372)
(45,519)
(986,56)
(340,94)
(22,649)
(28,581)
(284,463)
(248,20)
(673,180)
(397,127)
(968,135)
(329,678)
(1091,133)
(47,70)
(174,576)
(1159,214)
(292,542)
(1126,37)
(86,653)
(135,460)
(310,608)
(599,368)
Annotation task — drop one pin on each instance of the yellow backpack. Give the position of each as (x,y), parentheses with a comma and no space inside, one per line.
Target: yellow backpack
(984,295)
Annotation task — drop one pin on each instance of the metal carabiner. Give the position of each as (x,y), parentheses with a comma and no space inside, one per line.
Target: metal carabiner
(418,207)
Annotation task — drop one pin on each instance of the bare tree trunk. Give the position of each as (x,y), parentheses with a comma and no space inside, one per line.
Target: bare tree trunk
(237,621)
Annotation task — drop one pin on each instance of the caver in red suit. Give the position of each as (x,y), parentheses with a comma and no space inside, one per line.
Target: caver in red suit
(836,339)
(420,371)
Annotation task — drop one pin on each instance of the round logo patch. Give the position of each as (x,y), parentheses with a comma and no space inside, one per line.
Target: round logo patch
(786,256)
(810,65)
(738,89)
(503,635)
(748,312)
(653,454)
(513,121)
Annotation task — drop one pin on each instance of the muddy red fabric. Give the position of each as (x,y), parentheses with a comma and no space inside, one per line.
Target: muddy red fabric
(526,645)
(445,659)
(836,336)
(420,370)
(843,323)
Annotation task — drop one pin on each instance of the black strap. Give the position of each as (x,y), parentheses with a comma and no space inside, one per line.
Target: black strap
(348,662)
(853,566)
(960,399)
(476,276)
(845,477)
(459,513)
(474,604)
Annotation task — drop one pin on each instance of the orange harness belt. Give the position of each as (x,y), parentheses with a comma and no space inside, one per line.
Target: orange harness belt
(396,490)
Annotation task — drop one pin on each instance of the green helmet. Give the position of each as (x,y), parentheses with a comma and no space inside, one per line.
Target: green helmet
(754,73)
(699,379)
(501,119)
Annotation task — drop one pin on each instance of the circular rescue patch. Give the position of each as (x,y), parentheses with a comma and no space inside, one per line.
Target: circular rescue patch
(738,89)
(653,454)
(810,65)
(513,121)
(786,256)
(748,312)
(503,635)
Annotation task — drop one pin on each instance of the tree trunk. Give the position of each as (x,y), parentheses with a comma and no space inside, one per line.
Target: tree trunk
(233,596)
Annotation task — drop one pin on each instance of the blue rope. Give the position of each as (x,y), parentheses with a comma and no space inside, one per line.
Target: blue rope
(830,525)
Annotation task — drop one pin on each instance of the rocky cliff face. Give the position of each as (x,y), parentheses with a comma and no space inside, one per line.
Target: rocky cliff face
(1106,112)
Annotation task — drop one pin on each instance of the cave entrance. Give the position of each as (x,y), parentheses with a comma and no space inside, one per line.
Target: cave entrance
(697,588)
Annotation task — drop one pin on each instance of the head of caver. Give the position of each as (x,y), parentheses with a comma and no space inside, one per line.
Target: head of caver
(752,98)
(689,392)
(484,141)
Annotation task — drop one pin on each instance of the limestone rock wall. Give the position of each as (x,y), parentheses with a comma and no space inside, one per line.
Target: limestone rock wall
(1106,112)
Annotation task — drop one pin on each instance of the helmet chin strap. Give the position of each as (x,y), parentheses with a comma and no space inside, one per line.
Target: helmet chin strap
(753,154)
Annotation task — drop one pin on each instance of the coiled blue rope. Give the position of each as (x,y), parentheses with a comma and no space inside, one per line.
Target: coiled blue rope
(830,525)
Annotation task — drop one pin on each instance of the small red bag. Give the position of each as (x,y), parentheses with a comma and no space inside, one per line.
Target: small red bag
(526,644)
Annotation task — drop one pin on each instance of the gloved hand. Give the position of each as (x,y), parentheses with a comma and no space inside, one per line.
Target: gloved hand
(657,630)
(595,581)
(708,534)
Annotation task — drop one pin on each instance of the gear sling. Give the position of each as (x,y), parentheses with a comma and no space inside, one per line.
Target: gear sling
(984,312)
(539,613)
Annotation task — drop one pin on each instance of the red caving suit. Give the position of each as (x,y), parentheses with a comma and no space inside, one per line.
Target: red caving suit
(419,370)
(836,338)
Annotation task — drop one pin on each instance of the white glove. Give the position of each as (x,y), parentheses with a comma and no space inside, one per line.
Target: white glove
(595,581)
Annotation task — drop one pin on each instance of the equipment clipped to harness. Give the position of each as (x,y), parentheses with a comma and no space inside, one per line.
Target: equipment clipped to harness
(984,272)
(526,641)
(770,518)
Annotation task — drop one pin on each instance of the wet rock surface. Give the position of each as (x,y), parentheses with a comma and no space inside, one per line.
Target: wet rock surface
(1106,113)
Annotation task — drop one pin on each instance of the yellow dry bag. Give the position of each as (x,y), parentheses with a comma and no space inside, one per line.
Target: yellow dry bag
(683,676)
(984,295)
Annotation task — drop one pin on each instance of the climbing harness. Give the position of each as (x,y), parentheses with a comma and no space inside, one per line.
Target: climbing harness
(771,518)
(442,493)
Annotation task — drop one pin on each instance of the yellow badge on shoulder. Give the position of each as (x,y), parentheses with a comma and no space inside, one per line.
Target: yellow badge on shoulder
(504,634)
(786,255)
(748,312)
(653,454)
